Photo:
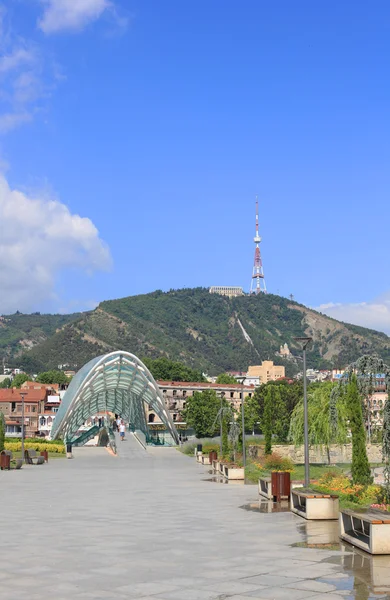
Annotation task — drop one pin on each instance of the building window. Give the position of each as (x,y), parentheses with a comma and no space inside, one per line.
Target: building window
(34,409)
(184,393)
(174,392)
(231,394)
(164,391)
(151,418)
(175,417)
(184,405)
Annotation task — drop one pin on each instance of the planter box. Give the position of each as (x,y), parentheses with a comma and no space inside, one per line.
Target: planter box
(233,472)
(215,465)
(222,468)
(205,459)
(199,457)
(369,531)
(314,505)
(265,487)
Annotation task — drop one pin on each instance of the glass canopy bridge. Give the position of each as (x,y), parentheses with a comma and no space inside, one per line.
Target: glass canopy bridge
(117,382)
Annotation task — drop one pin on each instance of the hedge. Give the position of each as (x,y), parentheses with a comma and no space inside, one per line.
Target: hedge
(57,448)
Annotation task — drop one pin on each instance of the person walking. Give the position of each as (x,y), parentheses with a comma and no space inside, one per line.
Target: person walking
(122,429)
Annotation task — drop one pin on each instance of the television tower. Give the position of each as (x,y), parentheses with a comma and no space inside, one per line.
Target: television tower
(258,281)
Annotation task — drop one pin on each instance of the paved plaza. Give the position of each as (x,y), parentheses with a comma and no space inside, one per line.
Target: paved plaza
(149,525)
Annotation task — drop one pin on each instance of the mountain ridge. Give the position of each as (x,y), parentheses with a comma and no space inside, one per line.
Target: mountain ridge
(203,330)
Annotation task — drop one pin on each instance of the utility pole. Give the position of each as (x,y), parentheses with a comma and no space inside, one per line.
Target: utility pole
(241,380)
(22,395)
(304,342)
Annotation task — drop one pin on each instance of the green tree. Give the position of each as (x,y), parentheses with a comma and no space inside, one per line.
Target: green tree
(281,417)
(6,383)
(2,431)
(52,376)
(267,420)
(225,378)
(252,414)
(360,466)
(168,370)
(201,413)
(18,380)
(323,429)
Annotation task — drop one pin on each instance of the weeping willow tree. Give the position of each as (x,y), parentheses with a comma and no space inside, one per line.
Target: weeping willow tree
(366,369)
(327,419)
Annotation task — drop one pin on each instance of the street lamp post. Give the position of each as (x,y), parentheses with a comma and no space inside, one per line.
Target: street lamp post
(305,341)
(22,395)
(241,380)
(220,426)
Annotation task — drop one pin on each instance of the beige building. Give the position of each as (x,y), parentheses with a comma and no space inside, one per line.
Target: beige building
(267,371)
(226,290)
(176,393)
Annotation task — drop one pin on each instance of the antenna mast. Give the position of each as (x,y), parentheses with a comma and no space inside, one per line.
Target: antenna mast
(258,281)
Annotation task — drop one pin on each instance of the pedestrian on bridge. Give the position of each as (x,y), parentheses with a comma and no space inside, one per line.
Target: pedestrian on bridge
(122,429)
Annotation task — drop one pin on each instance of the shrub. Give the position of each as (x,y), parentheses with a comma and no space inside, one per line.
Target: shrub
(347,490)
(56,448)
(275,462)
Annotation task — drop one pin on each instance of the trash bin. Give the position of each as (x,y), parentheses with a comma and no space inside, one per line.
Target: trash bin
(199,447)
(69,451)
(281,485)
(5,461)
(45,455)
(213,455)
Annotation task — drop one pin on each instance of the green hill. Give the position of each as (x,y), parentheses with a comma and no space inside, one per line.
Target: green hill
(20,332)
(206,331)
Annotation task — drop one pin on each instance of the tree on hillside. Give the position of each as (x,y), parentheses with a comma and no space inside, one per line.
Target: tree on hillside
(2,431)
(323,428)
(201,413)
(225,378)
(6,383)
(52,376)
(18,380)
(361,472)
(168,370)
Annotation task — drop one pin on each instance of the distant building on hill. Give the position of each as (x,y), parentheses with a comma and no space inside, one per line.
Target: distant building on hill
(226,290)
(267,371)
(284,350)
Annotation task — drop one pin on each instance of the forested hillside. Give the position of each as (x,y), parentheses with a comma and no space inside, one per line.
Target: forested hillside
(205,331)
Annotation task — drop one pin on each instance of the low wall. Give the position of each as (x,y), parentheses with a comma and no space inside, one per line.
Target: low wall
(319,454)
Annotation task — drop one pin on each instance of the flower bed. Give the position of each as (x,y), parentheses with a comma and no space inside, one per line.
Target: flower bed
(350,495)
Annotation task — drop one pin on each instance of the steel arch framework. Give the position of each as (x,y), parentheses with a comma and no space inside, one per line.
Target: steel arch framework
(117,382)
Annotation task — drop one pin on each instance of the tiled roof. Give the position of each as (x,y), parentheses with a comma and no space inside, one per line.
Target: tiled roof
(204,385)
(13,395)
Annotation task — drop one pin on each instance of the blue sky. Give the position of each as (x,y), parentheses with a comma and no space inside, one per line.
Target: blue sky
(159,122)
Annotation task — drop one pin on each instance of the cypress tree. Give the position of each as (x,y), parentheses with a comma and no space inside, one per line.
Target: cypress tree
(225,437)
(361,473)
(2,431)
(267,420)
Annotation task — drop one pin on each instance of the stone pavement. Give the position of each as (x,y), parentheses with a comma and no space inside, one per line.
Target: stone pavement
(147,525)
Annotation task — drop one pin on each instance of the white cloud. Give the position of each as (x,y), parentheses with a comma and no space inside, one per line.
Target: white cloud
(39,237)
(374,314)
(22,78)
(71,15)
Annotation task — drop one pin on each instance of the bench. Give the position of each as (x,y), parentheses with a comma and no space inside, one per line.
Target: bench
(369,530)
(32,458)
(17,461)
(265,487)
(314,505)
